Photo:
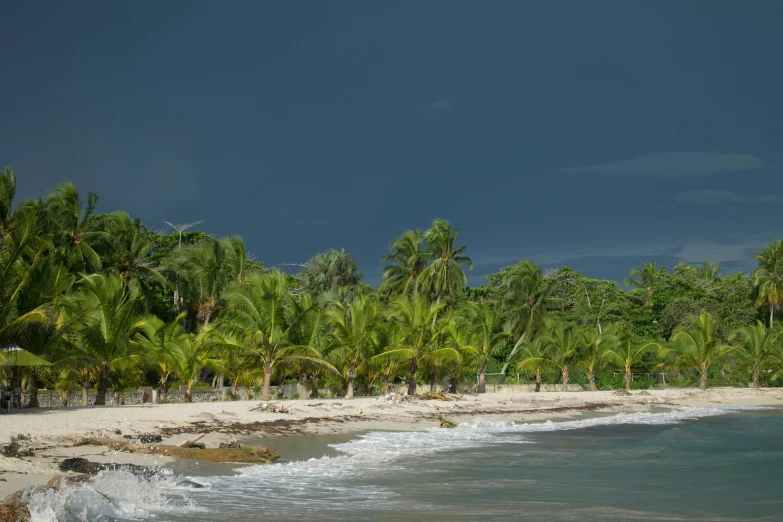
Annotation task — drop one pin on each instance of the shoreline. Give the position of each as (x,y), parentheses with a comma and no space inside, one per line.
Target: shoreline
(49,433)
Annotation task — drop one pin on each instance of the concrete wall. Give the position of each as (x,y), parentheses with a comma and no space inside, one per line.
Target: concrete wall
(52,400)
(493,388)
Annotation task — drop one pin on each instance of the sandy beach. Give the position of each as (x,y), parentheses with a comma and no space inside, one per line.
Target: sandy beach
(50,434)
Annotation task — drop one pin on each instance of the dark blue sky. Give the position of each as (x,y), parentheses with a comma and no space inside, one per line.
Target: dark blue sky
(593,134)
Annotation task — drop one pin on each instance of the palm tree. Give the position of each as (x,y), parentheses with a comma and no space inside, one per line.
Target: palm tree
(108,311)
(7,193)
(697,346)
(22,250)
(444,275)
(768,277)
(355,329)
(757,346)
(194,358)
(646,278)
(128,249)
(534,358)
(464,353)
(709,273)
(415,317)
(482,324)
(202,272)
(525,294)
(596,342)
(260,316)
(160,345)
(314,332)
(329,272)
(75,236)
(626,354)
(406,261)
(563,342)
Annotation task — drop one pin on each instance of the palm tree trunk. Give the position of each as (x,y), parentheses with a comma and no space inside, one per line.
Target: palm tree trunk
(116,397)
(85,391)
(103,385)
(267,384)
(163,398)
(591,378)
(351,377)
(538,381)
(434,383)
(771,313)
(565,377)
(627,379)
(33,402)
(188,395)
(756,378)
(513,351)
(703,381)
(122,398)
(454,383)
(314,386)
(234,389)
(412,377)
(384,386)
(482,387)
(435,317)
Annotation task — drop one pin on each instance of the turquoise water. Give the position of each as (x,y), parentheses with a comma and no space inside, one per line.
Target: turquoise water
(687,464)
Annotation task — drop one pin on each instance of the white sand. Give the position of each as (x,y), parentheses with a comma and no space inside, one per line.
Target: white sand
(50,431)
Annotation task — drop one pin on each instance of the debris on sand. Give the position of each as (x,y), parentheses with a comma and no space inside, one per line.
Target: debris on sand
(440,397)
(446,423)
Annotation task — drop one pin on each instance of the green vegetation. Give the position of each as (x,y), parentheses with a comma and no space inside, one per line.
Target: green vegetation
(115,305)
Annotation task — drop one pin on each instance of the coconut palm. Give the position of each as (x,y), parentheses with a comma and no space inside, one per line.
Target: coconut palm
(645,278)
(159,345)
(482,324)
(355,329)
(193,360)
(525,293)
(697,346)
(596,342)
(406,261)
(768,278)
(627,353)
(314,332)
(7,193)
(107,310)
(709,273)
(444,275)
(22,251)
(418,331)
(533,358)
(129,248)
(75,235)
(563,342)
(757,346)
(465,354)
(261,316)
(202,272)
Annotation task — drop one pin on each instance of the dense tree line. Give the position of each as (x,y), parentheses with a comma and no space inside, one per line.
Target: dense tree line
(114,305)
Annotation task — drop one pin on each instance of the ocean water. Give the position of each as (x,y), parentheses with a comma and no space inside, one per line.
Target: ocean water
(711,464)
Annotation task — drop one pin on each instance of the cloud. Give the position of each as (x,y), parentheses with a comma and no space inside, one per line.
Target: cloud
(440,104)
(671,164)
(714,197)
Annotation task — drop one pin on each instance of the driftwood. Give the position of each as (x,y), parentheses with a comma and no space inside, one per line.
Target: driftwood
(189,443)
